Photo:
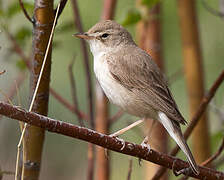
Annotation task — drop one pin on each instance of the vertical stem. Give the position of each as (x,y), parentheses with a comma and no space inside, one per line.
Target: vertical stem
(102,111)
(34,136)
(194,75)
(149,38)
(91,148)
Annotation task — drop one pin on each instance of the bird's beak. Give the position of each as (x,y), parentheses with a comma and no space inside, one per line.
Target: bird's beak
(83,36)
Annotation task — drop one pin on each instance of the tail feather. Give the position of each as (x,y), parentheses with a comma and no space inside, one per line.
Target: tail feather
(175,132)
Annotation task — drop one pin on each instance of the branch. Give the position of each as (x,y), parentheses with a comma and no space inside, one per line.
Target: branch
(25,12)
(211,10)
(73,91)
(62,6)
(70,107)
(108,142)
(86,61)
(204,103)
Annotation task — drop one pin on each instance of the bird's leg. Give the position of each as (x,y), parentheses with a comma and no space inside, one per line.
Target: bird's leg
(146,139)
(122,131)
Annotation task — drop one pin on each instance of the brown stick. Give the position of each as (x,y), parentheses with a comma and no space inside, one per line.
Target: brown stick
(149,38)
(34,137)
(114,144)
(78,24)
(91,150)
(25,12)
(73,92)
(102,110)
(204,103)
(210,159)
(69,106)
(60,99)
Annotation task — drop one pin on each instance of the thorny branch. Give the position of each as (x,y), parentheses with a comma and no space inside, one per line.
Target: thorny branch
(108,142)
(204,103)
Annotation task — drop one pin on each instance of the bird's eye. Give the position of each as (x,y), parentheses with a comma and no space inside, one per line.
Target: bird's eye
(105,35)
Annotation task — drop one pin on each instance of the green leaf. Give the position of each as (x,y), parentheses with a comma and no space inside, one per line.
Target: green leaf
(20,64)
(149,3)
(131,17)
(22,34)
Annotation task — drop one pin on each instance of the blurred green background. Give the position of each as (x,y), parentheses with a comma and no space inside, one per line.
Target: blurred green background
(66,158)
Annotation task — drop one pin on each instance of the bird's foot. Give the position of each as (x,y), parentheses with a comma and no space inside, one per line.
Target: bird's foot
(145,144)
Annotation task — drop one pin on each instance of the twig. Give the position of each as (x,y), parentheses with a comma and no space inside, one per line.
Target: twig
(74,92)
(20,52)
(108,142)
(211,10)
(69,106)
(109,9)
(18,49)
(12,90)
(214,156)
(130,169)
(210,159)
(204,103)
(25,12)
(86,62)
(61,8)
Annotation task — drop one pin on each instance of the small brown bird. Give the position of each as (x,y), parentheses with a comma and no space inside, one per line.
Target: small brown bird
(131,80)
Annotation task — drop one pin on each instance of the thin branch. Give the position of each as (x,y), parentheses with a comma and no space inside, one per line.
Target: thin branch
(130,169)
(12,90)
(69,106)
(214,156)
(18,49)
(204,103)
(108,142)
(62,6)
(86,62)
(25,12)
(211,10)
(74,92)
(26,60)
(210,159)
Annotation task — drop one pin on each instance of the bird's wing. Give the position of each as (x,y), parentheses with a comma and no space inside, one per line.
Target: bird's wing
(138,73)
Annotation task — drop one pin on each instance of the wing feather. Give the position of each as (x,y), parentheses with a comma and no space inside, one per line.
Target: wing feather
(137,72)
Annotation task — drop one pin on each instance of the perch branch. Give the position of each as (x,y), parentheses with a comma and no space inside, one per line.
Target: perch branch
(25,12)
(204,103)
(111,143)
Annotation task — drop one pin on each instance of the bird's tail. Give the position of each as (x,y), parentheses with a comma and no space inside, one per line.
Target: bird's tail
(175,133)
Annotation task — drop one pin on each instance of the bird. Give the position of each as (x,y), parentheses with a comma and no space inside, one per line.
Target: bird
(131,80)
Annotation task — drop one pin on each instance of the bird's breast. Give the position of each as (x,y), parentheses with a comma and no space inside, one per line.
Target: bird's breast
(115,92)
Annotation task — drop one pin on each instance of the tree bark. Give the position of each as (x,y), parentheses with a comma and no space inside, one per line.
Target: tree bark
(34,136)
(149,39)
(194,75)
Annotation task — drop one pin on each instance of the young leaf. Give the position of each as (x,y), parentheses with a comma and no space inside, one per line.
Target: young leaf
(131,17)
